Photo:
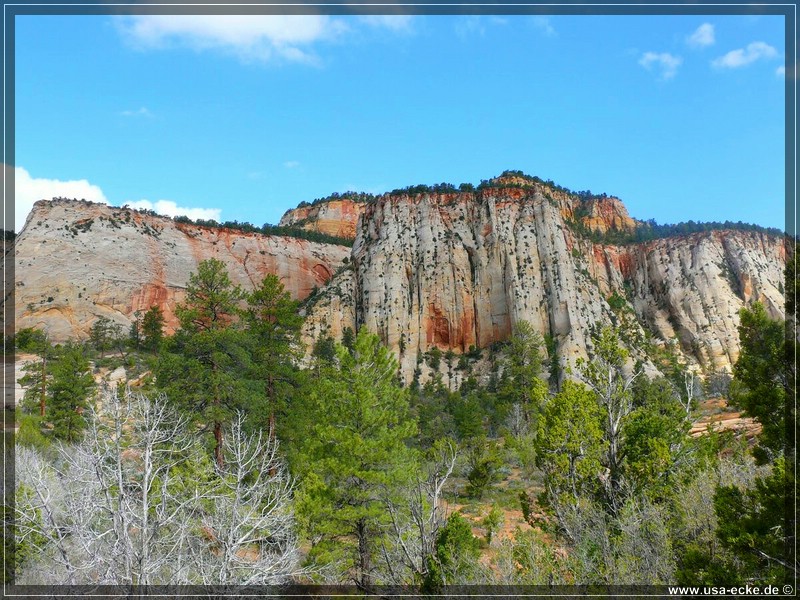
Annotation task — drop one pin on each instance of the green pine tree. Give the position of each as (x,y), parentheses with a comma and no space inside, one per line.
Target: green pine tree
(71,386)
(273,324)
(763,378)
(100,335)
(524,367)
(152,329)
(38,374)
(351,453)
(455,556)
(657,445)
(570,444)
(202,367)
(758,524)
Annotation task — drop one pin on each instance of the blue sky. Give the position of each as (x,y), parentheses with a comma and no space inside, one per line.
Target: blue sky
(682,117)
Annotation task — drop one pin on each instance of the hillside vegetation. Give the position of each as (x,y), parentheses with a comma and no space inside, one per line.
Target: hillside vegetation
(219,459)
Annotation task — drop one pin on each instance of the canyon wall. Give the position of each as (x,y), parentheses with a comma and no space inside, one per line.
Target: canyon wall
(77,261)
(454,270)
(446,269)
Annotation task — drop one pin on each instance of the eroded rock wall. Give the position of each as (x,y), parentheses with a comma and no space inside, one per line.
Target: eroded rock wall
(452,270)
(77,261)
(449,270)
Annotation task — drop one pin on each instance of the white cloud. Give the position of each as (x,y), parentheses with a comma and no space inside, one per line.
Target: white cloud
(249,37)
(28,190)
(745,56)
(291,164)
(142,112)
(780,71)
(544,25)
(703,36)
(472,25)
(666,62)
(168,208)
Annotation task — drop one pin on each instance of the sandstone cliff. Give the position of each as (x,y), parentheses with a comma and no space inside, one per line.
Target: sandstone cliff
(334,217)
(433,268)
(77,261)
(339,216)
(452,270)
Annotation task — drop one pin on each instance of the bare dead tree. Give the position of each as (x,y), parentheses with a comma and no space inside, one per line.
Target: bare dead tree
(39,509)
(112,514)
(129,505)
(643,553)
(417,517)
(249,531)
(516,422)
(689,381)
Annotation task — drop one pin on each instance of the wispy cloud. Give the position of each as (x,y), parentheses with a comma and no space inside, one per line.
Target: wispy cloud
(398,23)
(142,112)
(780,71)
(169,208)
(666,62)
(467,27)
(470,26)
(742,57)
(28,190)
(291,164)
(703,36)
(544,25)
(251,38)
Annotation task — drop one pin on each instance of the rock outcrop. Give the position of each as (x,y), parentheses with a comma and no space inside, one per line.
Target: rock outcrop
(691,288)
(334,217)
(77,261)
(454,270)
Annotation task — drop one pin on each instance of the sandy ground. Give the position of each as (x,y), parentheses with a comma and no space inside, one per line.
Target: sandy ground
(12,390)
(716,415)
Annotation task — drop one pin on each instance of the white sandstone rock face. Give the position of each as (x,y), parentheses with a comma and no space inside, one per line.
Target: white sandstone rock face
(452,270)
(692,288)
(77,261)
(332,310)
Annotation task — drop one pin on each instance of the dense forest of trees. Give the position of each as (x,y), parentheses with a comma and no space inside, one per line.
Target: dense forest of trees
(231,464)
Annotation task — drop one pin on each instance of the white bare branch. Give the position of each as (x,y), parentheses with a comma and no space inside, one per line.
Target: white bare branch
(130,505)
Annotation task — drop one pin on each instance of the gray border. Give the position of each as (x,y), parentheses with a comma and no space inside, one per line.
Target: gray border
(577,7)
